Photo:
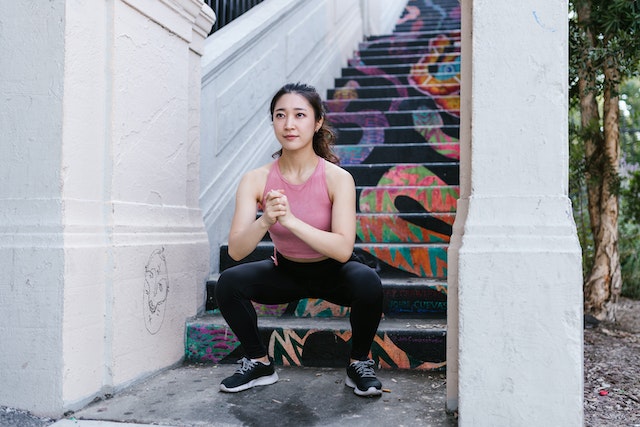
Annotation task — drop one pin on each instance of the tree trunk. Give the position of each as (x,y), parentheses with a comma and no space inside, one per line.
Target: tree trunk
(590,118)
(602,287)
(602,153)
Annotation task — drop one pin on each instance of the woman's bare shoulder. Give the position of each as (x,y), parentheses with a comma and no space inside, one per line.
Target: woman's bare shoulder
(336,173)
(258,173)
(338,179)
(254,180)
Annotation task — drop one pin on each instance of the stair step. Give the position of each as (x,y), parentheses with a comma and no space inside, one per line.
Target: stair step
(433,133)
(420,24)
(403,59)
(405,227)
(422,260)
(393,43)
(418,102)
(407,298)
(383,118)
(399,343)
(394,91)
(417,49)
(398,153)
(408,199)
(364,81)
(370,175)
(424,34)
(445,102)
(389,260)
(394,69)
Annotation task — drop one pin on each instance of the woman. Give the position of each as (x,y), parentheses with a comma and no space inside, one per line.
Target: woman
(308,205)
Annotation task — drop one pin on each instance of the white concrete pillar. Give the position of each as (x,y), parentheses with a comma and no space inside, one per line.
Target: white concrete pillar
(103,251)
(515,282)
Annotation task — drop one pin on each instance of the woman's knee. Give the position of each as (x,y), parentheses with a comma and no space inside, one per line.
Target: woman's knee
(224,286)
(366,283)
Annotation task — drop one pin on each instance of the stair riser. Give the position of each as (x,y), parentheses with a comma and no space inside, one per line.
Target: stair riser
(417,349)
(397,153)
(409,228)
(378,92)
(383,119)
(426,24)
(372,70)
(408,200)
(380,80)
(436,60)
(391,50)
(436,102)
(430,261)
(374,136)
(373,175)
(399,300)
(422,34)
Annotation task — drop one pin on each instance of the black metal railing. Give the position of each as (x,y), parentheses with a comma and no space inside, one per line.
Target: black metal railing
(228,10)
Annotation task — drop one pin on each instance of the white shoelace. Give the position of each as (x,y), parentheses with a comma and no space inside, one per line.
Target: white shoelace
(246,365)
(364,368)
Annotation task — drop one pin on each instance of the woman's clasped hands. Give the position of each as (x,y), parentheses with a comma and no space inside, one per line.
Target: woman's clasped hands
(276,208)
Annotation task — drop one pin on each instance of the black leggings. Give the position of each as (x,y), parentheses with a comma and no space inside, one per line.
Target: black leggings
(351,284)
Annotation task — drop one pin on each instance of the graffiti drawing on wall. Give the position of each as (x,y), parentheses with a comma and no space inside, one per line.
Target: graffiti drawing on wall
(155,291)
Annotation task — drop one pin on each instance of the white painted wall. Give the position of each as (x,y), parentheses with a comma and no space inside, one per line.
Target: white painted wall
(515,280)
(100,156)
(380,16)
(31,216)
(245,63)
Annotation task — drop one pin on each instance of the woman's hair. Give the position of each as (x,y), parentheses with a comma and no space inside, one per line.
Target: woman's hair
(324,138)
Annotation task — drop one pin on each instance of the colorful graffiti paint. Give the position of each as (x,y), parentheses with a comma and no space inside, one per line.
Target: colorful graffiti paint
(402,92)
(422,350)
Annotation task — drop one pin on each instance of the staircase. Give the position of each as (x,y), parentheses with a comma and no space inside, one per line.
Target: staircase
(396,110)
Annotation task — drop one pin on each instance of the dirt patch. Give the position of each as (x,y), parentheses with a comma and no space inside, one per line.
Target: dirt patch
(612,370)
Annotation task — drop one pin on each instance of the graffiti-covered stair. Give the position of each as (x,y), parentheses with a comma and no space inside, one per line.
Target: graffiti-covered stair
(396,110)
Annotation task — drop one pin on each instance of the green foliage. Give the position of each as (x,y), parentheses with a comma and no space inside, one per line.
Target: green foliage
(615,41)
(629,224)
(610,38)
(629,246)
(630,122)
(578,190)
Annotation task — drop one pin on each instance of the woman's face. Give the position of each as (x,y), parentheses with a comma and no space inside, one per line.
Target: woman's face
(294,122)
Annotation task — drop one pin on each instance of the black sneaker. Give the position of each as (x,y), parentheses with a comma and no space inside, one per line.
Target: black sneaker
(362,378)
(249,374)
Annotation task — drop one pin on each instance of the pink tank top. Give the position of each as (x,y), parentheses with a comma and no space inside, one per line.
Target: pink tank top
(308,201)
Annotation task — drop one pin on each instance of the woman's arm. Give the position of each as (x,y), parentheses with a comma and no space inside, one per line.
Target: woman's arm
(247,231)
(337,243)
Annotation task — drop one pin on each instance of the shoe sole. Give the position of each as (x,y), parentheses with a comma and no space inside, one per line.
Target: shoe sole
(267,380)
(371,391)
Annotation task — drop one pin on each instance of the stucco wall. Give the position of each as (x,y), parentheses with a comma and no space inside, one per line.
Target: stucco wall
(515,350)
(104,254)
(245,63)
(31,241)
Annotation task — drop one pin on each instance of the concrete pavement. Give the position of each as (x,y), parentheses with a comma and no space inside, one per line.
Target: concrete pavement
(188,396)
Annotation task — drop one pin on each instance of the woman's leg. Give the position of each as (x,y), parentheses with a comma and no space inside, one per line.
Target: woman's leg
(359,287)
(259,281)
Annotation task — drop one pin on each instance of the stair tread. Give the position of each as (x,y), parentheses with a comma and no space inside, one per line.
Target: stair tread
(387,324)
